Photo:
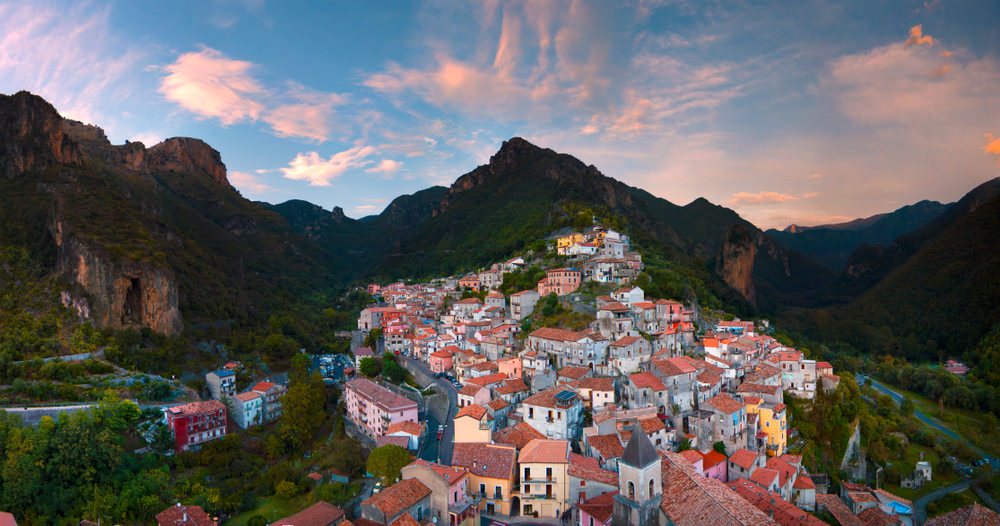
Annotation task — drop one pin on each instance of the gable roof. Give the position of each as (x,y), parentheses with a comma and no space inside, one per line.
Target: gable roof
(973,514)
(743,458)
(608,446)
(549,333)
(695,500)
(180,515)
(517,435)
(476,411)
(393,500)
(320,514)
(545,451)
(639,452)
(601,507)
(783,512)
(485,460)
(724,403)
(646,379)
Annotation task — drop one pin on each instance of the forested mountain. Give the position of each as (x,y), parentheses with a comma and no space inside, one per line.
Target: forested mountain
(832,245)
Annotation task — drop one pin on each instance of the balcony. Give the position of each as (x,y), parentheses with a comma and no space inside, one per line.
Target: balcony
(538,480)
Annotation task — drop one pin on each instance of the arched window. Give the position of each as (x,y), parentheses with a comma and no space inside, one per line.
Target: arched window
(631,491)
(650,488)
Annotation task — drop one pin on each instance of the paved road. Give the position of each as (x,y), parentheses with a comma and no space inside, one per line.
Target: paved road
(898,398)
(448,438)
(920,505)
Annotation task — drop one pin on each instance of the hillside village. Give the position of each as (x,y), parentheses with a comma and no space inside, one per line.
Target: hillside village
(647,411)
(641,418)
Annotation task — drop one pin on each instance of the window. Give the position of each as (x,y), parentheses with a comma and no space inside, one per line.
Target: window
(498,492)
(548,473)
(527,474)
(651,488)
(531,412)
(482,490)
(631,490)
(527,488)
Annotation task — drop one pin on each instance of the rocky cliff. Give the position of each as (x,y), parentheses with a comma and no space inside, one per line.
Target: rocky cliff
(31,135)
(124,293)
(736,262)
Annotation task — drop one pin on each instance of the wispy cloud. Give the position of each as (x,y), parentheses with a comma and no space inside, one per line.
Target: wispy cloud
(249,184)
(318,171)
(918,38)
(759,198)
(214,86)
(68,54)
(386,166)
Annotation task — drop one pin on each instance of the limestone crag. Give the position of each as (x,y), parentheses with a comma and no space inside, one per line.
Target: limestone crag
(736,262)
(31,135)
(125,293)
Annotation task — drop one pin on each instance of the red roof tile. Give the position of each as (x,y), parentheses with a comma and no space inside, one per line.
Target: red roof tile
(542,451)
(518,435)
(690,499)
(724,403)
(485,460)
(181,515)
(608,446)
(743,458)
(601,507)
(398,497)
(476,411)
(320,514)
(647,379)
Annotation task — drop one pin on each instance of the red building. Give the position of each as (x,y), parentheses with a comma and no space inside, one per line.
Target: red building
(562,281)
(195,423)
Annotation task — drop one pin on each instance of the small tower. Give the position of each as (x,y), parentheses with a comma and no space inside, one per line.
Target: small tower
(639,483)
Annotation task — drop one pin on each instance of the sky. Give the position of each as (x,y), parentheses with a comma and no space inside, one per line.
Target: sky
(803,112)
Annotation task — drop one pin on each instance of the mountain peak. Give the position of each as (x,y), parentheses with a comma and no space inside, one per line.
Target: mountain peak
(185,154)
(31,135)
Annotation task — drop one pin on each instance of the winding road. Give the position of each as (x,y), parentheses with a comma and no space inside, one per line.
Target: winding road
(446,444)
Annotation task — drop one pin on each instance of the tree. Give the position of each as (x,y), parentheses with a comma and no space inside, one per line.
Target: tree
(286,489)
(371,341)
(684,445)
(906,407)
(302,406)
(349,457)
(387,461)
(720,447)
(370,367)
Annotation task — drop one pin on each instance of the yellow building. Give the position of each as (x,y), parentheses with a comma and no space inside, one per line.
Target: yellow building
(473,423)
(565,242)
(772,421)
(492,468)
(544,466)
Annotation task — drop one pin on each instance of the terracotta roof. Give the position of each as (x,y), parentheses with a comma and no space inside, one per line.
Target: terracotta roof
(511,387)
(498,404)
(712,458)
(549,333)
(197,408)
(381,396)
(407,426)
(765,372)
(784,468)
(877,517)
(651,425)
(608,446)
(674,366)
(441,354)
(485,460)
(625,341)
(398,497)
(176,515)
(839,510)
(647,379)
(247,396)
(615,307)
(320,514)
(973,514)
(405,520)
(450,474)
(765,477)
(724,403)
(747,387)
(263,386)
(601,507)
(861,496)
(476,411)
(690,499)
(598,383)
(692,456)
(488,379)
(771,503)
(518,435)
(573,372)
(804,482)
(542,451)
(752,400)
(743,458)
(708,377)
(547,398)
(469,389)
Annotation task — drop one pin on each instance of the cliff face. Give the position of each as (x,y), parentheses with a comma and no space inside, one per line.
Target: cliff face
(31,135)
(736,262)
(126,293)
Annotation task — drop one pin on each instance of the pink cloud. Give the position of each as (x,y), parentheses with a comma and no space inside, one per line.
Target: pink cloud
(385,166)
(816,176)
(319,172)
(993,146)
(760,198)
(917,37)
(249,184)
(212,85)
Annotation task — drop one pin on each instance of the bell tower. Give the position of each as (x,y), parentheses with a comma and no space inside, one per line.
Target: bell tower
(640,484)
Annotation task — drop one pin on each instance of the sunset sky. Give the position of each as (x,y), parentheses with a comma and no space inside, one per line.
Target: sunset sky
(788,112)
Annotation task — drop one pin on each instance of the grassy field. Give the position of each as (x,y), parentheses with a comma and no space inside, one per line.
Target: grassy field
(969,424)
(953,502)
(273,508)
(910,456)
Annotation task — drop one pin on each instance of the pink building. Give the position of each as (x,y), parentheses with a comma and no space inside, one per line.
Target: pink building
(562,281)
(441,361)
(714,466)
(374,408)
(510,366)
(598,510)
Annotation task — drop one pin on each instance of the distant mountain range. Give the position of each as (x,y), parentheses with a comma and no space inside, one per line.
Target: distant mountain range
(157,237)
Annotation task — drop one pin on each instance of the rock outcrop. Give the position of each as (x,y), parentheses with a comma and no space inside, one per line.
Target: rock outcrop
(126,293)
(736,262)
(184,154)
(31,135)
